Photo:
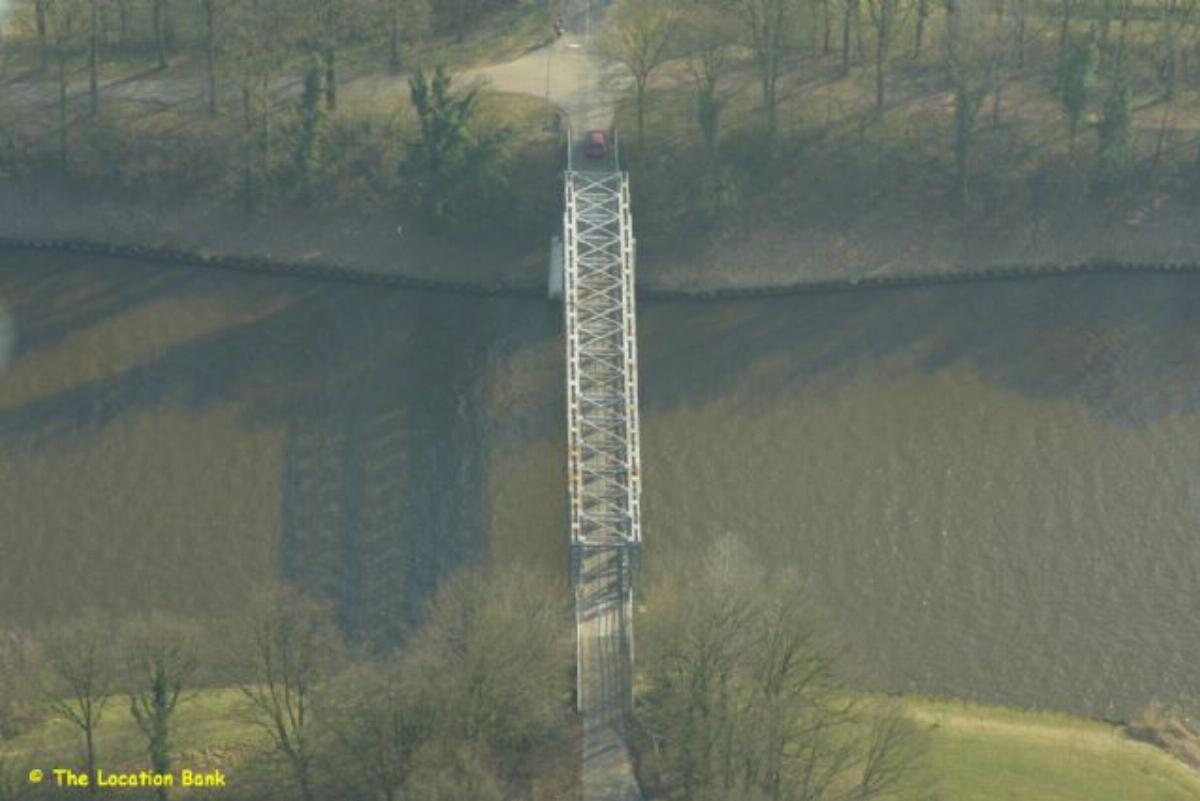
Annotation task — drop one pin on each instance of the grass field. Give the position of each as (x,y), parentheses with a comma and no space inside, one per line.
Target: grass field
(985,753)
(975,752)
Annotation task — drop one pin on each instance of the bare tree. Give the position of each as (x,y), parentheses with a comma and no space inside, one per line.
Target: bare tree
(80,670)
(260,38)
(850,22)
(93,55)
(493,656)
(974,51)
(19,658)
(636,37)
(288,647)
(885,16)
(742,697)
(65,25)
(212,10)
(159,24)
(708,34)
(406,21)
(768,28)
(924,9)
(1066,11)
(379,719)
(39,15)
(161,657)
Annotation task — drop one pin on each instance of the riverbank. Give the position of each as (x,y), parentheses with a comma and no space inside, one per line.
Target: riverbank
(395,248)
(973,751)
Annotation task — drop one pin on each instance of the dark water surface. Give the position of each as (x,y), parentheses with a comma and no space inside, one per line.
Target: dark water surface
(991,487)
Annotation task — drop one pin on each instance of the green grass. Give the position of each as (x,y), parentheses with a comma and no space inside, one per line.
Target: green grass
(211,731)
(975,752)
(987,753)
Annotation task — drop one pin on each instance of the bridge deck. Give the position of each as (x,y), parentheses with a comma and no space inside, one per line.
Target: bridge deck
(604,474)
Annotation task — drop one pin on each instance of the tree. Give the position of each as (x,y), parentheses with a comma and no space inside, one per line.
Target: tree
(288,646)
(326,26)
(1173,15)
(18,668)
(212,10)
(850,22)
(975,48)
(636,37)
(312,118)
(406,21)
(768,29)
(93,55)
(742,694)
(80,669)
(493,657)
(258,43)
(379,719)
(1075,68)
(42,27)
(64,22)
(1115,134)
(1066,12)
(924,9)
(161,658)
(159,13)
(885,16)
(451,772)
(707,35)
(450,155)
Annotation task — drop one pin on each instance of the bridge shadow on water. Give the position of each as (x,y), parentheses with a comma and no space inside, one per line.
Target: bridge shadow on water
(377,396)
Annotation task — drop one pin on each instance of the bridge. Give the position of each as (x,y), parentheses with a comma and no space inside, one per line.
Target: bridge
(604,474)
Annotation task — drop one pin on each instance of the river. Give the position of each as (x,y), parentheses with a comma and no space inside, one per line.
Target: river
(989,487)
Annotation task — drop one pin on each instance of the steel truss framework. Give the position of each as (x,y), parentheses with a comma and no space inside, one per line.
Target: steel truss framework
(598,289)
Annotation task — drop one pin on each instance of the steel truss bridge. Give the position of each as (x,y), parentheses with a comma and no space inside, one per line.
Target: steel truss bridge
(603,462)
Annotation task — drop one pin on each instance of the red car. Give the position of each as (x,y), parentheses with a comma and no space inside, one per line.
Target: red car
(596,145)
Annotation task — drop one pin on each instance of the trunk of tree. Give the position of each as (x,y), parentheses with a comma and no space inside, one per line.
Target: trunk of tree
(248,188)
(770,107)
(919,34)
(1161,141)
(168,25)
(39,10)
(1122,37)
(881,55)
(330,78)
(62,113)
(123,13)
(160,41)
(460,24)
(210,53)
(93,44)
(394,41)
(1021,34)
(90,757)
(1169,56)
(851,16)
(827,33)
(1064,32)
(962,141)
(641,110)
(1106,15)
